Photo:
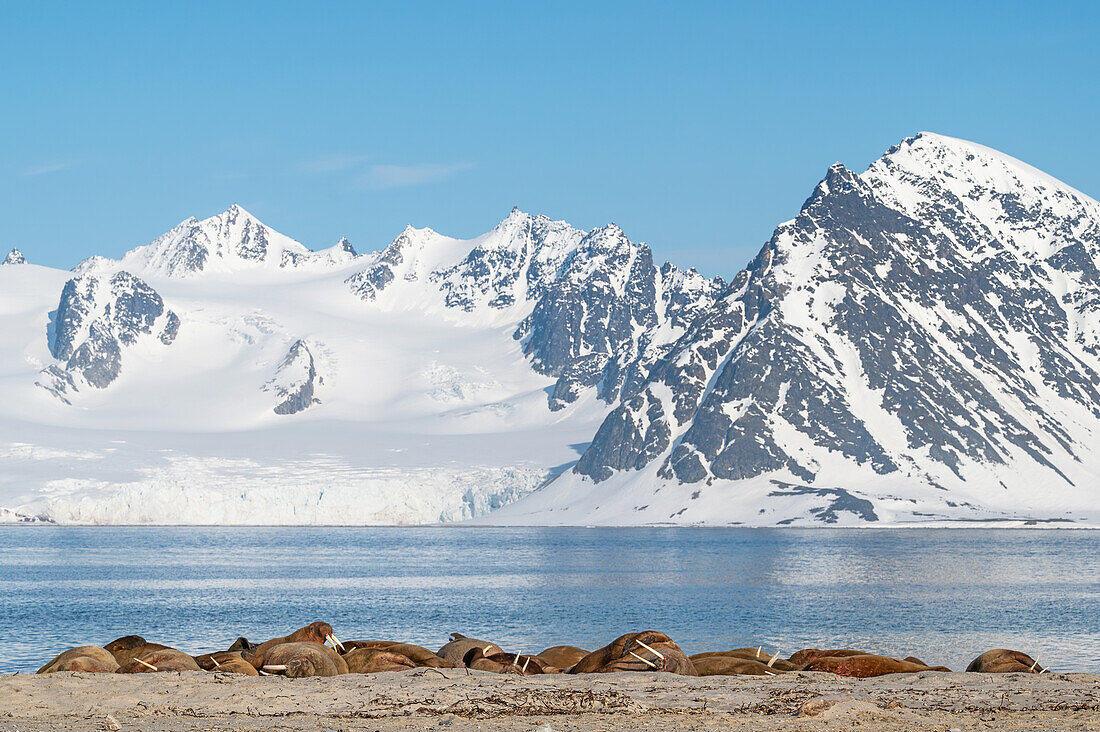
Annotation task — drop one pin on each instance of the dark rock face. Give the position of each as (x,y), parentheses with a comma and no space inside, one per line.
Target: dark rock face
(517,261)
(97,318)
(295,380)
(896,325)
(368,283)
(599,313)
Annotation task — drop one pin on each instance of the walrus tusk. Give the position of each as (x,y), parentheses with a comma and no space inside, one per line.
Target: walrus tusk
(774,659)
(264,673)
(147,665)
(758,649)
(336,644)
(216,664)
(524,669)
(646,661)
(769,673)
(1033,666)
(654,651)
(274,668)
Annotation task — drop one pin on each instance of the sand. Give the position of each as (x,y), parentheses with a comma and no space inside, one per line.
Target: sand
(451,699)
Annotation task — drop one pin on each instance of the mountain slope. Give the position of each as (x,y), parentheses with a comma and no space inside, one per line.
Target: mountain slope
(226,373)
(920,343)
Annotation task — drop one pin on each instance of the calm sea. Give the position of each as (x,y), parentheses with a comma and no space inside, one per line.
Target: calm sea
(942,595)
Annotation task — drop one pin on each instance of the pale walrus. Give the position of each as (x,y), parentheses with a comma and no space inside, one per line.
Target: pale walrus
(732,666)
(504,663)
(1004,661)
(161,659)
(89,659)
(303,658)
(131,646)
(645,651)
(460,645)
(376,660)
(750,654)
(562,657)
(867,666)
(316,632)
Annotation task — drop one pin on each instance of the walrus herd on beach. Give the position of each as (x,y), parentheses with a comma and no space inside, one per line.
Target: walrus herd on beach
(316,651)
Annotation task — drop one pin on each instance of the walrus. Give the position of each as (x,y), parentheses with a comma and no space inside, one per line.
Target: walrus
(1004,661)
(562,657)
(645,651)
(460,645)
(504,663)
(376,660)
(750,654)
(732,666)
(316,632)
(299,659)
(214,661)
(230,662)
(89,659)
(867,665)
(801,658)
(161,659)
(131,646)
(242,644)
(419,655)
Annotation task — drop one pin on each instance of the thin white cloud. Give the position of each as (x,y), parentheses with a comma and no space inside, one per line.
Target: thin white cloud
(333,163)
(46,168)
(380,177)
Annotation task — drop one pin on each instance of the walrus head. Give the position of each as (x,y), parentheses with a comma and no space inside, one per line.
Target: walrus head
(300,668)
(317,632)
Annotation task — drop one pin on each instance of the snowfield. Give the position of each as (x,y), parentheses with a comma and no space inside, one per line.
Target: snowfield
(921,345)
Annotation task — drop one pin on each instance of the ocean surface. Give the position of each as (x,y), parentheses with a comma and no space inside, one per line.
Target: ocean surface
(942,595)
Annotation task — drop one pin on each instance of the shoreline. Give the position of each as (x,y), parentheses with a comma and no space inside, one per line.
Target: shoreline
(452,699)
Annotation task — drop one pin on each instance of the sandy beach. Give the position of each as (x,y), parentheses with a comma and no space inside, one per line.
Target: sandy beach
(451,699)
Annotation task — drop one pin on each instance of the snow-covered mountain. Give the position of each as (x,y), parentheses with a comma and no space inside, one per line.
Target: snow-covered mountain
(227,373)
(14,257)
(921,344)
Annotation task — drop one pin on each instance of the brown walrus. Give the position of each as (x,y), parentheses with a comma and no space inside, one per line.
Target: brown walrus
(89,659)
(645,651)
(419,655)
(504,663)
(376,660)
(160,659)
(460,645)
(131,646)
(562,657)
(316,632)
(299,659)
(801,658)
(867,665)
(750,654)
(1004,661)
(233,663)
(732,666)
(214,661)
(242,644)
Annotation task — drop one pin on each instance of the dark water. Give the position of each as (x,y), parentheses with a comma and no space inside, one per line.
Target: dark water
(942,595)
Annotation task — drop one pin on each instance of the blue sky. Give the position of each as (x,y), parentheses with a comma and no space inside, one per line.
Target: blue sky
(697,127)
